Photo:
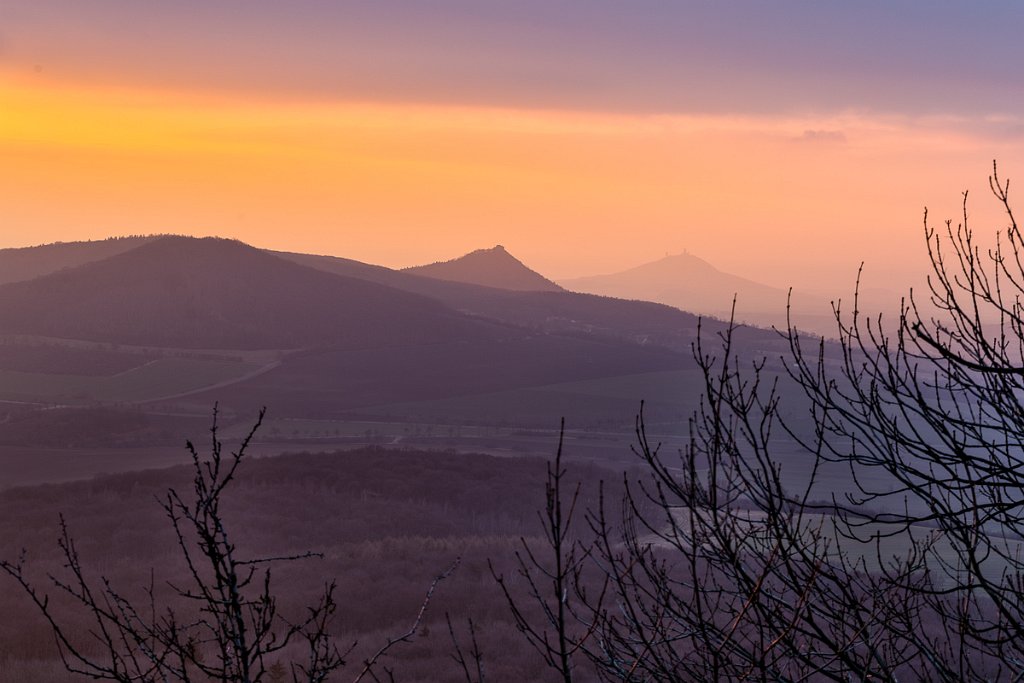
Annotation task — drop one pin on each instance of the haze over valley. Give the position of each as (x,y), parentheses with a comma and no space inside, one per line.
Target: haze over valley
(549,340)
(436,391)
(143,335)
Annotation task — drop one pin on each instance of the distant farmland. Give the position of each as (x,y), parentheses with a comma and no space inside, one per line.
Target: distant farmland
(160,377)
(606,402)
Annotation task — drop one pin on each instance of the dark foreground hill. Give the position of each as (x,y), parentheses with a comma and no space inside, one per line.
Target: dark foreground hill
(213,293)
(492,267)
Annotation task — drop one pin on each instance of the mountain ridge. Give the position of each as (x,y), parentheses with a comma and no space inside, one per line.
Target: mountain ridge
(216,293)
(556,312)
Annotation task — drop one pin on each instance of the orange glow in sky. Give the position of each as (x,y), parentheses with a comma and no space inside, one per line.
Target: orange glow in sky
(785,199)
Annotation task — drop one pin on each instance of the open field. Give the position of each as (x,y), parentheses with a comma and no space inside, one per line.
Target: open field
(605,403)
(57,345)
(154,379)
(328,383)
(53,359)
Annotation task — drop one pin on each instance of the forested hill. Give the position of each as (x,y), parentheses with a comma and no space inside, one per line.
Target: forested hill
(31,262)
(215,293)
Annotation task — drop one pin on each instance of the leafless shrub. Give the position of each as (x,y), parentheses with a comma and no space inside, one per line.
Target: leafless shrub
(232,629)
(723,566)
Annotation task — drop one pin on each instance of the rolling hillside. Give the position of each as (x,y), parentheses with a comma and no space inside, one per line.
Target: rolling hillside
(176,324)
(328,383)
(217,294)
(547,311)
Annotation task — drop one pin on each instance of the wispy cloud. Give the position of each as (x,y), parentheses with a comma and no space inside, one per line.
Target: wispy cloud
(825,136)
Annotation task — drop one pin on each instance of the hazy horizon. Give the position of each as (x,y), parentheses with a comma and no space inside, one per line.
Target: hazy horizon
(884,286)
(786,144)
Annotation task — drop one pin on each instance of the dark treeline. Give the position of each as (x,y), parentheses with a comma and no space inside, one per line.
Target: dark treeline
(386,522)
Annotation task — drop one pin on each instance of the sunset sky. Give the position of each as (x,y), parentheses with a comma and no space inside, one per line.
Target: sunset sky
(786,141)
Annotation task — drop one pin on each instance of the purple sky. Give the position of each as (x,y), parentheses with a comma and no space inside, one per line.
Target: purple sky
(647,56)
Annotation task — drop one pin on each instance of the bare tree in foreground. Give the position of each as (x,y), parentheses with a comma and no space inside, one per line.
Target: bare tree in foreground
(740,560)
(553,581)
(232,629)
(938,409)
(714,571)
